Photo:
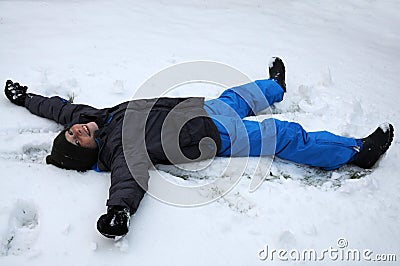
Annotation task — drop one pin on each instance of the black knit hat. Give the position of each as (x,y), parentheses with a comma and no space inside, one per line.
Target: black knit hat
(69,156)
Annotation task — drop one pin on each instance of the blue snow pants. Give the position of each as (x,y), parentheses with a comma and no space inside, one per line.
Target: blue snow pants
(287,140)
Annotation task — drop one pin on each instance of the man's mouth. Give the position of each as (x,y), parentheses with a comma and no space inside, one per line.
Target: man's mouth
(86,130)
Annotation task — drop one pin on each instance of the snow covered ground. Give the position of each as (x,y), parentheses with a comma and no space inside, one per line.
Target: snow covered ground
(343,70)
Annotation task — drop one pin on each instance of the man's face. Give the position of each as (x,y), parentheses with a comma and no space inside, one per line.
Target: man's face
(82,135)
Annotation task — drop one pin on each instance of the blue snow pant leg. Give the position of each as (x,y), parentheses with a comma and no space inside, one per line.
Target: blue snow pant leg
(247,99)
(239,102)
(322,148)
(287,140)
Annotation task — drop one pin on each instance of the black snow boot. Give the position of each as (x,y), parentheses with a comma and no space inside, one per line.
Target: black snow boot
(277,71)
(374,146)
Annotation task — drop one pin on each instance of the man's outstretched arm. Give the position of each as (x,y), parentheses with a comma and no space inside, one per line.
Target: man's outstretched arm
(125,195)
(54,108)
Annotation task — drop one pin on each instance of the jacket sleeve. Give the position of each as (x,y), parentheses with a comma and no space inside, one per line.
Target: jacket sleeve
(125,189)
(55,108)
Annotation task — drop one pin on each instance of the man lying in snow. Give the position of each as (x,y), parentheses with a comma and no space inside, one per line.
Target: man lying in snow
(92,138)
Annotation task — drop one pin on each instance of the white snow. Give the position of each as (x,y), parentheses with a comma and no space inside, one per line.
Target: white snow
(385,127)
(342,62)
(271,61)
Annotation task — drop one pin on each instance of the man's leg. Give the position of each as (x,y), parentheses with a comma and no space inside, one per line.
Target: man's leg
(287,140)
(246,100)
(322,148)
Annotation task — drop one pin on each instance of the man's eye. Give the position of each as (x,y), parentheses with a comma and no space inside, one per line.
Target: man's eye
(70,132)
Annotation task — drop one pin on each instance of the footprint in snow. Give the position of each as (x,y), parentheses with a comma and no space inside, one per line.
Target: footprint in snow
(240,204)
(22,230)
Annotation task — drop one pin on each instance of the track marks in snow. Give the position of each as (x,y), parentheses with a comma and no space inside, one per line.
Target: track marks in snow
(31,153)
(22,230)
(30,145)
(238,203)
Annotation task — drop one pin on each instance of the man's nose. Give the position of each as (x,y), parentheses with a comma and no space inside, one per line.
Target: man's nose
(77,132)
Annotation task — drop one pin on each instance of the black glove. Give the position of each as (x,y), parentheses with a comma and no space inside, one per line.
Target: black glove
(15,93)
(115,223)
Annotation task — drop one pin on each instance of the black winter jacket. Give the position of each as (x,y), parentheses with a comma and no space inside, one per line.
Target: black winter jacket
(125,190)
